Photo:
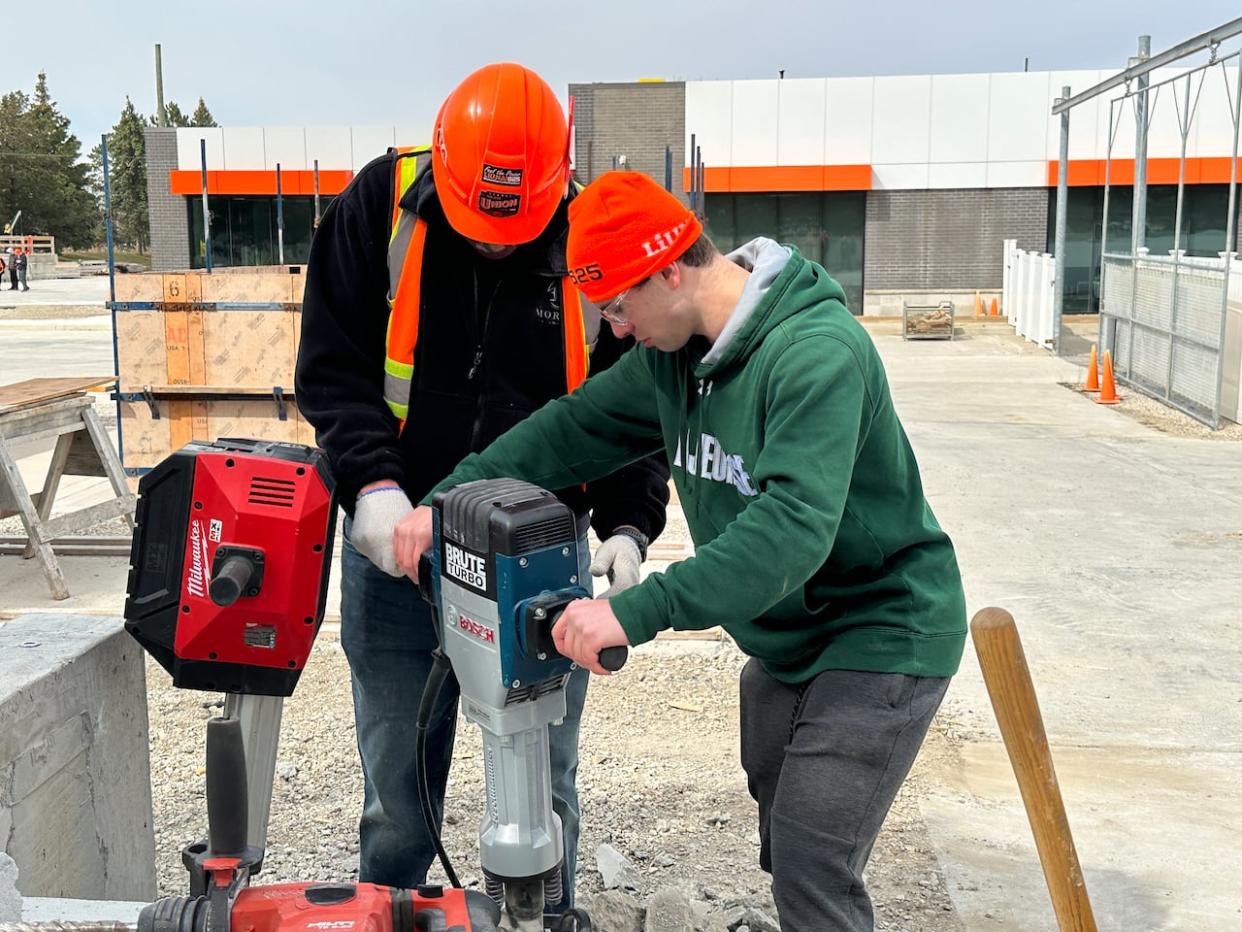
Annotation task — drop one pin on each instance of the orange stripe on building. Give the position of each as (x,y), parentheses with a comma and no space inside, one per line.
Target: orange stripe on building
(299,182)
(1091,172)
(723,179)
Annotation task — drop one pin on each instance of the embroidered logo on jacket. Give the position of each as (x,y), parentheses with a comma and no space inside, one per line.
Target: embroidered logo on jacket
(708,460)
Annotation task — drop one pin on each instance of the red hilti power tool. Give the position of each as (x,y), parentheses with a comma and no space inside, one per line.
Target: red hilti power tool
(228,579)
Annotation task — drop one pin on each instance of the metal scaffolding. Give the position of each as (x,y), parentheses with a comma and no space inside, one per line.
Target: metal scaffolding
(1164,319)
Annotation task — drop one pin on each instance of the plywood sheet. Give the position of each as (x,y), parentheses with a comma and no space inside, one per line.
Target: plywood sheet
(252,348)
(251,419)
(247,288)
(148,441)
(32,392)
(141,348)
(144,440)
(146,286)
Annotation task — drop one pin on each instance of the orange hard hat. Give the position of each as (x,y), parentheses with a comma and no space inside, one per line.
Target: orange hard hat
(500,155)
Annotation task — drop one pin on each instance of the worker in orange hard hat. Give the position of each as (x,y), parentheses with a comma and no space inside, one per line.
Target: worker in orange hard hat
(439,312)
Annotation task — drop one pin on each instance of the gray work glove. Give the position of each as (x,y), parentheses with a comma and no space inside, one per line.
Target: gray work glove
(619,559)
(375,516)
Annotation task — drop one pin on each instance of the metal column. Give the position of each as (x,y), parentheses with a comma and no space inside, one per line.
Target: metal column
(1058,293)
(1138,235)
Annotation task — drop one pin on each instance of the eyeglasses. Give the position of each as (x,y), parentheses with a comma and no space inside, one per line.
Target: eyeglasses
(612,312)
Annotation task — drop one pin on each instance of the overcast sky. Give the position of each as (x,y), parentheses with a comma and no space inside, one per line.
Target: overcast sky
(364,62)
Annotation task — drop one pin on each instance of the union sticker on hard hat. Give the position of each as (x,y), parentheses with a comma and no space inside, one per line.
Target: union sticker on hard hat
(508,177)
(499,204)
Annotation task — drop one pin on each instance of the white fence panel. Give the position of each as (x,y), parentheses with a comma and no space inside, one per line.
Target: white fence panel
(1028,281)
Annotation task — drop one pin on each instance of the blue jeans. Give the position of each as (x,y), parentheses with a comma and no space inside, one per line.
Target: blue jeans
(388,636)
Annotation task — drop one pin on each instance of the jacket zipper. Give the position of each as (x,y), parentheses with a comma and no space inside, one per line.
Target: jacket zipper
(480,339)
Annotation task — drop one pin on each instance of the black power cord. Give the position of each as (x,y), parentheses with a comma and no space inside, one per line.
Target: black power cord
(441,667)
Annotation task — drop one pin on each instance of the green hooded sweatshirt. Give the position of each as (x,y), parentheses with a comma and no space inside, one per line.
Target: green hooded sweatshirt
(815,547)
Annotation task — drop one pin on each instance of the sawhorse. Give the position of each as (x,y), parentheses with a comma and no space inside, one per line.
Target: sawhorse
(39,409)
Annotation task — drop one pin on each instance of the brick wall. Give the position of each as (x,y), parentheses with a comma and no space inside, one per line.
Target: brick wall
(948,239)
(170,225)
(634,120)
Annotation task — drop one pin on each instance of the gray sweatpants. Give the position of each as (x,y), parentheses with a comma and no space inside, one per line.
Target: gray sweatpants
(824,760)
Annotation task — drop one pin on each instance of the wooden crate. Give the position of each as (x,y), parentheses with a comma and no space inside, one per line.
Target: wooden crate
(282,284)
(209,349)
(148,440)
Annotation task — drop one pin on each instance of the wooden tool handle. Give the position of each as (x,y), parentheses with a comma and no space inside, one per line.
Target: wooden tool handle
(1017,713)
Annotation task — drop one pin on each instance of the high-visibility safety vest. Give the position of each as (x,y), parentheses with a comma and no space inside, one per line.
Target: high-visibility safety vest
(405,267)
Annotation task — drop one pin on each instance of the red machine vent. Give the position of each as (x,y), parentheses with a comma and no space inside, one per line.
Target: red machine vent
(278,493)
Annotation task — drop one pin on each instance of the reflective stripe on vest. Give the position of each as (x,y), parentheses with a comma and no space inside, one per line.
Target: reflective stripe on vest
(405,264)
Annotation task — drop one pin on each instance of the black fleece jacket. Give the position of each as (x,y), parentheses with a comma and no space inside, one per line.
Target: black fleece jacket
(490,352)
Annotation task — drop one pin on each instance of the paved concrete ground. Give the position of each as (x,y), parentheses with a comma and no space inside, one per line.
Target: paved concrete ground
(57,291)
(1116,546)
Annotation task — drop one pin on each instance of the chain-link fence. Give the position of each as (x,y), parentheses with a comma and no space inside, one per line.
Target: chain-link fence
(1164,320)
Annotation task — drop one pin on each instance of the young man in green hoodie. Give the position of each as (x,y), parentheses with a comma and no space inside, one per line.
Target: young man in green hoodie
(815,546)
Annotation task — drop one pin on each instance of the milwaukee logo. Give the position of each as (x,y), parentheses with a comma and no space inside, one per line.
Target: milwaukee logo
(708,460)
(333,924)
(662,241)
(196,581)
(474,629)
(465,567)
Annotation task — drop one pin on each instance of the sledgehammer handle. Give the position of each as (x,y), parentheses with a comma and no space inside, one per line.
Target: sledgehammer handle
(1017,713)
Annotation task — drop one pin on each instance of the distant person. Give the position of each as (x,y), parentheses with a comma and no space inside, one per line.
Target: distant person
(3,265)
(19,265)
(13,255)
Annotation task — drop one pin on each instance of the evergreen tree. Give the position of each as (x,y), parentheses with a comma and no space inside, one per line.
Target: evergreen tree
(173,116)
(202,116)
(127,171)
(41,171)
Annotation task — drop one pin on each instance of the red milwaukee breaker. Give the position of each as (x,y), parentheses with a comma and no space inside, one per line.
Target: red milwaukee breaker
(228,577)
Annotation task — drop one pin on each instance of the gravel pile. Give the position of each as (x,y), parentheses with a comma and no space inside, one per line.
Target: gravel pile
(660,784)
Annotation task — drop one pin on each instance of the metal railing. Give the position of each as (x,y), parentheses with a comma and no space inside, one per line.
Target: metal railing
(1164,319)
(38,245)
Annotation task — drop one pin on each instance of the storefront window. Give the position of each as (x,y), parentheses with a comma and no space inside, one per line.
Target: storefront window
(1204,210)
(243,230)
(826,226)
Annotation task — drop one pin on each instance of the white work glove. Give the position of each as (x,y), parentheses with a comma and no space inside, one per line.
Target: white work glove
(375,516)
(619,559)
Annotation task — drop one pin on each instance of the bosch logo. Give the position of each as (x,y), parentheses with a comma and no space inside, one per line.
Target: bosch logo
(474,629)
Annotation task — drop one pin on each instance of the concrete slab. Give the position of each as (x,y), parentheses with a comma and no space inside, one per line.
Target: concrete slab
(31,352)
(1147,830)
(58,909)
(1116,547)
(70,291)
(75,776)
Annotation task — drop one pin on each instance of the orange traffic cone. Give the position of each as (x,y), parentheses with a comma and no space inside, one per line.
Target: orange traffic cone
(1093,372)
(978,305)
(1108,390)
(995,308)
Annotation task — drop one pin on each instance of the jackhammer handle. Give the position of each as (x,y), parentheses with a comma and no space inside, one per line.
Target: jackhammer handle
(424,578)
(227,796)
(614,658)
